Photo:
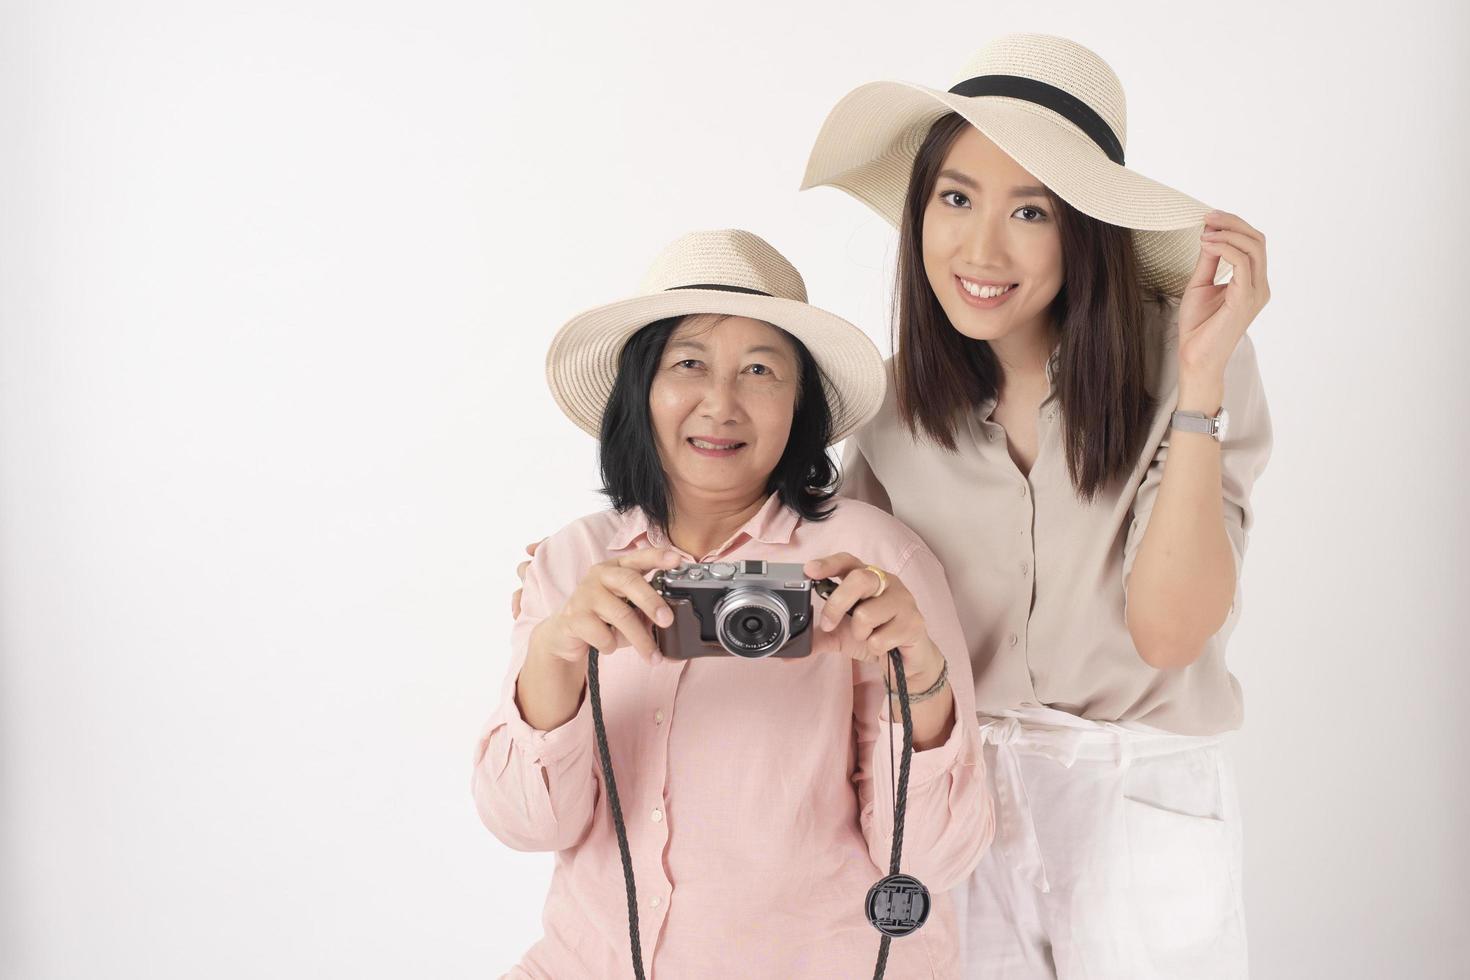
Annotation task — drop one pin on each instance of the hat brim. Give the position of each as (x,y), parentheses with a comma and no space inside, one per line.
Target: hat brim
(582,362)
(868,143)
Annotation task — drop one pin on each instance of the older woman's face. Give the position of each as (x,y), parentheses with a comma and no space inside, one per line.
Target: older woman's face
(722,402)
(992,249)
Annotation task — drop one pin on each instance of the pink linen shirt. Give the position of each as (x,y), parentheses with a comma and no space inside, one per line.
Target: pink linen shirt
(757,794)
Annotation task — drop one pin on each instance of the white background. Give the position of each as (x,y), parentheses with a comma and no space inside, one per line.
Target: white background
(276,281)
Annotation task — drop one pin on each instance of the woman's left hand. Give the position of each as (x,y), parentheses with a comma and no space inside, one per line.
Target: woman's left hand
(878,623)
(1212,319)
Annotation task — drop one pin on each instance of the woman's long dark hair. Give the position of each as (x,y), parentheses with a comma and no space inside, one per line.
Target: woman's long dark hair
(1101,370)
(805,477)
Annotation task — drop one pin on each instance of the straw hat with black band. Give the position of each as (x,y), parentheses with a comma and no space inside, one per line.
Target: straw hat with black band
(1054,107)
(728,272)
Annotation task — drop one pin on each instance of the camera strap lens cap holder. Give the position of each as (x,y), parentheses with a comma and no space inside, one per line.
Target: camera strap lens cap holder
(897,905)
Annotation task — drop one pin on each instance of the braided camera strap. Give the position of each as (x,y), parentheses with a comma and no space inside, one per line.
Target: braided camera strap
(594,692)
(900,790)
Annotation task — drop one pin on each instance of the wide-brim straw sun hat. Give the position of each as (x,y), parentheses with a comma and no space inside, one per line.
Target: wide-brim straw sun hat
(1049,103)
(730,273)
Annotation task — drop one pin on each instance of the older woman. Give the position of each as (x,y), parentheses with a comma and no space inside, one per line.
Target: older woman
(757,792)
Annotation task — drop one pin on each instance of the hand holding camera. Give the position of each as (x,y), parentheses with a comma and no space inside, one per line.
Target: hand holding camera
(884,616)
(751,609)
(611,607)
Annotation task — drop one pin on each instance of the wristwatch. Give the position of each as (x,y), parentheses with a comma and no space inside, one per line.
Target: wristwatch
(1215,426)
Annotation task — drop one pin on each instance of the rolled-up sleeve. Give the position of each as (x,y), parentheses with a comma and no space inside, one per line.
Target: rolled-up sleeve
(534,790)
(1243,457)
(949,815)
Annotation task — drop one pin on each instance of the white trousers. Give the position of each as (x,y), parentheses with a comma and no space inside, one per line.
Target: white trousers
(1117,855)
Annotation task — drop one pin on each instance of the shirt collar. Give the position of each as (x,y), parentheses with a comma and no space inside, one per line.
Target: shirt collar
(986,408)
(774,523)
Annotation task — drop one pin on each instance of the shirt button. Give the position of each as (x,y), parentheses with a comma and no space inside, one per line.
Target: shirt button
(657,815)
(991,435)
(1025,568)
(1012,639)
(1023,490)
(658,717)
(655,901)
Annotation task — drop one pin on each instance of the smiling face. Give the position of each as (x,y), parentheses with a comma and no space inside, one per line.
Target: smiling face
(991,247)
(722,402)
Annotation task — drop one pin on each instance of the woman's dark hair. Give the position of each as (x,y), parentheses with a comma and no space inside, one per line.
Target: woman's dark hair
(1101,369)
(633,475)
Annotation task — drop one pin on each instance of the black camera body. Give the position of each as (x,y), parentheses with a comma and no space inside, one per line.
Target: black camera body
(750,609)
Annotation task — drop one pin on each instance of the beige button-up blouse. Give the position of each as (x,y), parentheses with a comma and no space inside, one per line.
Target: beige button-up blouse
(1039,576)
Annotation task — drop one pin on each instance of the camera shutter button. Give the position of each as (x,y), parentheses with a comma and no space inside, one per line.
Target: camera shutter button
(722,570)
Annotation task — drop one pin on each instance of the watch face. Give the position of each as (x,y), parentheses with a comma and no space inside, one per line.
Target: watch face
(1222,424)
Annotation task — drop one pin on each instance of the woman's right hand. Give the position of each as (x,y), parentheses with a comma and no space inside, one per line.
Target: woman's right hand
(515,597)
(612,607)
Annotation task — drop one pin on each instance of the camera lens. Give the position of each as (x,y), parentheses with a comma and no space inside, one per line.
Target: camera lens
(751,631)
(752,623)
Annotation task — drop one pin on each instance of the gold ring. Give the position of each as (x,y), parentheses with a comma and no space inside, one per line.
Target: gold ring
(882,580)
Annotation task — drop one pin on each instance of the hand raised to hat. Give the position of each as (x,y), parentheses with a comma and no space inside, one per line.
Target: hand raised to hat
(1212,319)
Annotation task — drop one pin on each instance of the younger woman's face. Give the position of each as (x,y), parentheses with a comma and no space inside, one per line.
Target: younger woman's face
(987,225)
(722,403)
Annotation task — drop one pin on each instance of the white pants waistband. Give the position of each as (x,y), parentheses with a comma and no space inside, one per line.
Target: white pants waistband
(1066,740)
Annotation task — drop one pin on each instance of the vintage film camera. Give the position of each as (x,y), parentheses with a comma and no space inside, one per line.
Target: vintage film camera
(749,609)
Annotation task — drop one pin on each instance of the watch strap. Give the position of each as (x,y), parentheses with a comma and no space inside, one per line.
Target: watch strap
(1196,422)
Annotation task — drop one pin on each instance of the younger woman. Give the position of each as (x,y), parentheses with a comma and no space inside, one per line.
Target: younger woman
(1074,425)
